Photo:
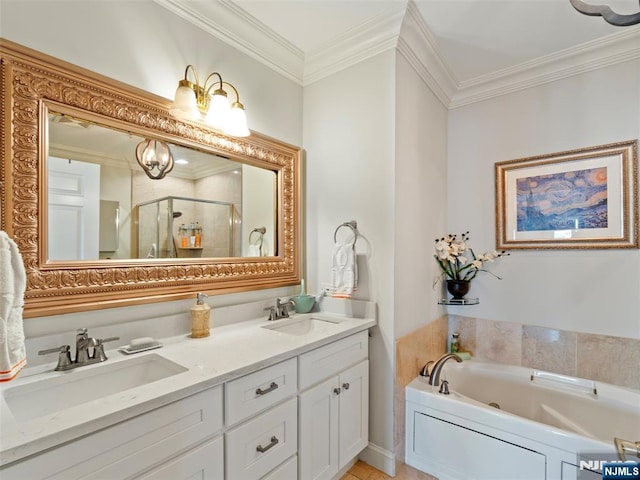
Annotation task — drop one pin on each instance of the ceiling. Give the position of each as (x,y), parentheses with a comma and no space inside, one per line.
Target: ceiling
(475,37)
(476,48)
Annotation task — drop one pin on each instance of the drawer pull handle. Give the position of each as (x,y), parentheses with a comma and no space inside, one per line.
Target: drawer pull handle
(271,388)
(274,442)
(337,390)
(346,386)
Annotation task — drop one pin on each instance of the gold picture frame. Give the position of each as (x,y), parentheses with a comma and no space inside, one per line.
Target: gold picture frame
(584,198)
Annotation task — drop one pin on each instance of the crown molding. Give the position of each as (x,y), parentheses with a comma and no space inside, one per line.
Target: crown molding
(418,46)
(368,39)
(242,31)
(402,27)
(603,52)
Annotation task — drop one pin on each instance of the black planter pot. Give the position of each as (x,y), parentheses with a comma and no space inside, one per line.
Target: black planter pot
(458,288)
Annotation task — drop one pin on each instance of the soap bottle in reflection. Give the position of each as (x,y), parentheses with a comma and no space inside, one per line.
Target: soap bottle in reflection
(455,342)
(198,230)
(183,236)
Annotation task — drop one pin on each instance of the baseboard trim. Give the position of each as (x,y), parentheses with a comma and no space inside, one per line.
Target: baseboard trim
(379,458)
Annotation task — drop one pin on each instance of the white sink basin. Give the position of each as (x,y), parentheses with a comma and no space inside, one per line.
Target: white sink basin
(302,326)
(65,390)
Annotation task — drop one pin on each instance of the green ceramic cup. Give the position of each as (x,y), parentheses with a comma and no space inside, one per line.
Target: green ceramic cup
(303,303)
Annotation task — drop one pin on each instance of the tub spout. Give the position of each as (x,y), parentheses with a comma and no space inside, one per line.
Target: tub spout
(434,379)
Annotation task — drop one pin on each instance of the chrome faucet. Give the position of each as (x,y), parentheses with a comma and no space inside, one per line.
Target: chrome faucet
(626,447)
(280,310)
(434,377)
(83,342)
(84,356)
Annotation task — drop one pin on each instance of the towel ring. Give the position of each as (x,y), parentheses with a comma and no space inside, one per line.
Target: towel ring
(353,225)
(260,231)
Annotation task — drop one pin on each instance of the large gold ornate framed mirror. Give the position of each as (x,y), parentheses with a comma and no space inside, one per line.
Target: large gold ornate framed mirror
(227,221)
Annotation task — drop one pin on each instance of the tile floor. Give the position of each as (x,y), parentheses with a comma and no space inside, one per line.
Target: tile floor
(362,471)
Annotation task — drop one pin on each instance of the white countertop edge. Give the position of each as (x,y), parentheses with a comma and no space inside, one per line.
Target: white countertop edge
(206,369)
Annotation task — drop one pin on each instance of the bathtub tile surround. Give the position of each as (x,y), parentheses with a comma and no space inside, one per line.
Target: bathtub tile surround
(412,352)
(601,358)
(559,349)
(494,341)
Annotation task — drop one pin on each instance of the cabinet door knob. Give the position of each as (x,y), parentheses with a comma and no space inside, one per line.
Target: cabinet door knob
(274,442)
(346,386)
(271,388)
(336,390)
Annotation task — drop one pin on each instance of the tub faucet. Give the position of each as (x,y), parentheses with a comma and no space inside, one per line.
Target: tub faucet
(434,378)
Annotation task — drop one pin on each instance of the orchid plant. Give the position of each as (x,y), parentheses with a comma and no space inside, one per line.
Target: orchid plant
(458,261)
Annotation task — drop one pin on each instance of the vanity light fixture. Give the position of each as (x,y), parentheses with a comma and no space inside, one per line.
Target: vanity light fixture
(611,17)
(155,158)
(195,101)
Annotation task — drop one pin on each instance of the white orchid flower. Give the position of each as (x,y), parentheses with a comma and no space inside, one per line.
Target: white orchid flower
(477,264)
(443,254)
(462,259)
(489,256)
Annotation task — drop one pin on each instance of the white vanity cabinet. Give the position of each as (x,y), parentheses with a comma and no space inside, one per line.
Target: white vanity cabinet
(334,408)
(154,440)
(303,418)
(257,443)
(205,461)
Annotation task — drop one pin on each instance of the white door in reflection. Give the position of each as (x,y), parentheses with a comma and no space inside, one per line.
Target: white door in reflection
(74,209)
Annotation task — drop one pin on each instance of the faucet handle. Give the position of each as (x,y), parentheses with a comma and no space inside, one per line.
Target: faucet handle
(272,313)
(98,348)
(444,388)
(108,339)
(60,349)
(64,356)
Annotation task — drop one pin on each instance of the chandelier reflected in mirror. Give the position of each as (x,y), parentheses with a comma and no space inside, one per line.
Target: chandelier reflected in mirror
(155,158)
(209,102)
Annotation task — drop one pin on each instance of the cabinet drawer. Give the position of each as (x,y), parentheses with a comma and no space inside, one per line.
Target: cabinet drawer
(258,446)
(260,390)
(287,471)
(326,361)
(130,447)
(205,461)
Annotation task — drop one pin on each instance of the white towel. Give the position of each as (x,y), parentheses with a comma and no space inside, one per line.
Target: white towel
(13,355)
(254,251)
(344,270)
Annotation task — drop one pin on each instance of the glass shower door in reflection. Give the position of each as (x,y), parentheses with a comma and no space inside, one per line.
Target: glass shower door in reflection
(180,227)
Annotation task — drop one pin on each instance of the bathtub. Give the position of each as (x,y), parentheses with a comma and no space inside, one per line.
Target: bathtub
(505,422)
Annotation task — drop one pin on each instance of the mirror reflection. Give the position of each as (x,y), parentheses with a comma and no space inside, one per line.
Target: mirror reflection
(102,205)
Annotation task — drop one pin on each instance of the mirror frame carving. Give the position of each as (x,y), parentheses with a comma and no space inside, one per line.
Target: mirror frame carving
(32,81)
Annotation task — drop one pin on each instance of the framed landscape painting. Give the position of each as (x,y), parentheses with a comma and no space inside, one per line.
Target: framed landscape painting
(585,198)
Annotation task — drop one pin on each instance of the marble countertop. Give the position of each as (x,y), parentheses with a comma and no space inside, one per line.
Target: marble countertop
(229,352)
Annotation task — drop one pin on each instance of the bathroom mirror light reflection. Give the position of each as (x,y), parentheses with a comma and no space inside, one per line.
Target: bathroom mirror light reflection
(102,205)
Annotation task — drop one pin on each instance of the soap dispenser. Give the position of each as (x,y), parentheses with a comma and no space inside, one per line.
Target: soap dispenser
(200,314)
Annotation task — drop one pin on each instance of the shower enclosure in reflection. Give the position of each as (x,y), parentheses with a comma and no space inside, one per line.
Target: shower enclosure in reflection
(180,227)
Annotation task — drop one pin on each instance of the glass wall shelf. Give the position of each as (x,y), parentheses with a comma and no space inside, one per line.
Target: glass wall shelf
(458,301)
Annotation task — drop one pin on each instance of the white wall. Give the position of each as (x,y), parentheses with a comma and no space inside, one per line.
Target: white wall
(420,199)
(144,45)
(258,204)
(349,129)
(593,291)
